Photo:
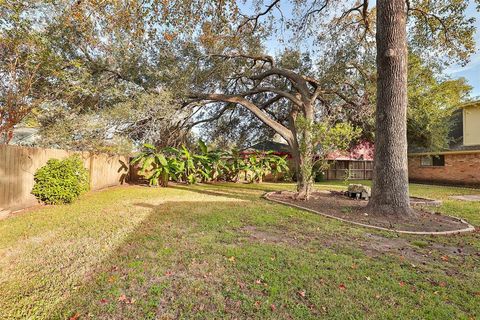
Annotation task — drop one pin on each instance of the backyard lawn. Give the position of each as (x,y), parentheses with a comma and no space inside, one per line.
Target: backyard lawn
(221,251)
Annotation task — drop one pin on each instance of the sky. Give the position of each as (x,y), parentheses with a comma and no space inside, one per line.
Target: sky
(472,70)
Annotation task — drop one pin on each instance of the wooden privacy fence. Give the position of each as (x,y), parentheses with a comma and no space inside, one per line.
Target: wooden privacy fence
(18,165)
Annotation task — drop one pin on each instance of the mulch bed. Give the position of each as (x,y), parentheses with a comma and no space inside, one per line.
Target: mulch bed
(340,206)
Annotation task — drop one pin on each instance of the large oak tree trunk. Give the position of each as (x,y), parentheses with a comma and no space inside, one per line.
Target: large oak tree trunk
(303,152)
(303,171)
(390,174)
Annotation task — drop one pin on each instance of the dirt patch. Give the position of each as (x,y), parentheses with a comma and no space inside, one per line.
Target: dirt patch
(339,206)
(256,234)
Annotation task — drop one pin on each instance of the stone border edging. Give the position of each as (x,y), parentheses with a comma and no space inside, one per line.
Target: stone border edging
(469,227)
(427,202)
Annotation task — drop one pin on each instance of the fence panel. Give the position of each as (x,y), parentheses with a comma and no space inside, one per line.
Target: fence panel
(18,165)
(357,170)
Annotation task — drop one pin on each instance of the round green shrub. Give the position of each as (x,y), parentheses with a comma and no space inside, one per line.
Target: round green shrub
(60,181)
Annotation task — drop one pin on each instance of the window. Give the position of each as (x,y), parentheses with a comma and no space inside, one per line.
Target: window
(433,161)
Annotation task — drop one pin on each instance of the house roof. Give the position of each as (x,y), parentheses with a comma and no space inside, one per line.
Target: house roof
(457,147)
(475,103)
(267,145)
(22,136)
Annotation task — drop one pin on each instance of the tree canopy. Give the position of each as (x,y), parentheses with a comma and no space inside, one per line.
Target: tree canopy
(113,74)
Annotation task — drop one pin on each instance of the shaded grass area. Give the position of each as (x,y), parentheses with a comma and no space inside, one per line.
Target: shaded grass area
(220,251)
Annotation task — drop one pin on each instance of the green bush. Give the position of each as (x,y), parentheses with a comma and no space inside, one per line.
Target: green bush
(60,181)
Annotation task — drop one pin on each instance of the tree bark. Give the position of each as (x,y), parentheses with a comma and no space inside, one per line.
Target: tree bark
(303,169)
(390,175)
(301,147)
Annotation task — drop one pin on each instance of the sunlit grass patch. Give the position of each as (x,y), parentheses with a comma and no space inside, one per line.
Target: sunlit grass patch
(221,251)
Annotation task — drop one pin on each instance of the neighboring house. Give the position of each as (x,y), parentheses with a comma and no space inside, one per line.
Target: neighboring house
(22,136)
(278,148)
(354,164)
(460,162)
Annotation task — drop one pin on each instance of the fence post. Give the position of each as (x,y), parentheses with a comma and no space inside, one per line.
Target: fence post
(90,170)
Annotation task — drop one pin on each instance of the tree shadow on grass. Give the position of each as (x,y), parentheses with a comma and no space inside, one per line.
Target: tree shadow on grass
(146,205)
(241,191)
(171,253)
(265,187)
(223,193)
(101,295)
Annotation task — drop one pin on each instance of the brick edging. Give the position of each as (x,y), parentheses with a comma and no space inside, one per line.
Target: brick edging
(469,227)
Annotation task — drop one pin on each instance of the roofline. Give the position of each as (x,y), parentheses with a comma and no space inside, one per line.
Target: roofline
(468,104)
(444,152)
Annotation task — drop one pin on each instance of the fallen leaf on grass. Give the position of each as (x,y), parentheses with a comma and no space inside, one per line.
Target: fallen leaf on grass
(301,293)
(273,307)
(342,286)
(123,298)
(76,316)
(103,301)
(257,304)
(232,259)
(368,278)
(258,281)
(401,283)
(444,258)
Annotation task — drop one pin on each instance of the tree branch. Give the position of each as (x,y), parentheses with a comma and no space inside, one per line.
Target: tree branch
(256,17)
(262,116)
(281,93)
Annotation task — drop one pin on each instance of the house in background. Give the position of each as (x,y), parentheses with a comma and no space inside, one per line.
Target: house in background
(460,163)
(21,136)
(278,148)
(355,164)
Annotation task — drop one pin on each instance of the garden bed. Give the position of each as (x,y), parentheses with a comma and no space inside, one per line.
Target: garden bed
(337,205)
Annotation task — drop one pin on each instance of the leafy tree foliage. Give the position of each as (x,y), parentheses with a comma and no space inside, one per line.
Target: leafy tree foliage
(432,99)
(29,67)
(109,57)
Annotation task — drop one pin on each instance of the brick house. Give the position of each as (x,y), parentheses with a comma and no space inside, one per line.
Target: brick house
(460,163)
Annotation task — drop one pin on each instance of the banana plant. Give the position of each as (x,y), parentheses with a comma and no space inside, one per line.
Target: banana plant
(259,164)
(184,165)
(233,164)
(155,166)
(211,163)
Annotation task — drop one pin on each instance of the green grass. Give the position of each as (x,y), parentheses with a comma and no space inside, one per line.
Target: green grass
(220,251)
